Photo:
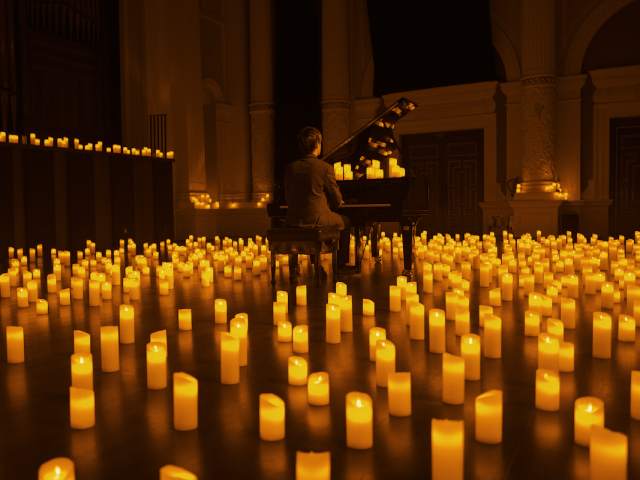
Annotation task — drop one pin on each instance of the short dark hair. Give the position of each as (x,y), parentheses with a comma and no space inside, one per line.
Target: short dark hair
(308,139)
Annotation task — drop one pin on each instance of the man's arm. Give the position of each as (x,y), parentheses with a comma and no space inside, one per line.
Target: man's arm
(332,190)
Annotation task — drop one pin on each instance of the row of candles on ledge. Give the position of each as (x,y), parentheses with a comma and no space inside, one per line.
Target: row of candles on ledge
(98,147)
(554,188)
(459,313)
(205,202)
(344,172)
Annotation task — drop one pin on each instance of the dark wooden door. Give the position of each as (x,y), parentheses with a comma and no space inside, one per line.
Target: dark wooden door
(452,164)
(624,175)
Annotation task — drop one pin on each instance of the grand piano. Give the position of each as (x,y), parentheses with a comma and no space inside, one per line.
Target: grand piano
(370,201)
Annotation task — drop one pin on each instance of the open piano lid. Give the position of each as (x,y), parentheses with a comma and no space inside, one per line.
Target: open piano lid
(373,141)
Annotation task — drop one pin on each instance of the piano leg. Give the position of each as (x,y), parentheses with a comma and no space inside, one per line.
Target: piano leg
(408,234)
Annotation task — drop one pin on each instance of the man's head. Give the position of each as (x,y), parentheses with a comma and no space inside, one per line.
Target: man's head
(308,140)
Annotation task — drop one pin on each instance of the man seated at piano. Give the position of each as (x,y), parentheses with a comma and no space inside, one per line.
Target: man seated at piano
(312,194)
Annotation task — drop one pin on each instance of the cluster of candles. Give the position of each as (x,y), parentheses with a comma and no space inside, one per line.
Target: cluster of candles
(554,188)
(344,172)
(609,267)
(64,143)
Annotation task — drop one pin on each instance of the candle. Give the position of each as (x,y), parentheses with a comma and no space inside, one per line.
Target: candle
(297,371)
(239,328)
(399,394)
(237,273)
(427,282)
(301,339)
(57,469)
(531,323)
(601,335)
(485,274)
(318,388)
(507,287)
(42,307)
(608,454)
(492,336)
(482,311)
(368,307)
(626,328)
(185,402)
(156,366)
(495,297)
(313,465)
(332,323)
(528,283)
(395,298)
(285,333)
(437,333)
(82,403)
(416,321)
(587,411)
(229,359)
(606,295)
(359,409)
(272,415)
(51,283)
(635,395)
(451,305)
(489,417)
(81,342)
(548,352)
(401,282)
(566,357)
(452,379)
(568,312)
(127,326)
(82,370)
(375,334)
(547,390)
(5,286)
(346,314)
(109,349)
(220,310)
(301,295)
(555,327)
(171,472)
(447,449)
(470,353)
(184,319)
(463,325)
(15,344)
(341,288)
(279,312)
(283,296)
(385,361)
(23,297)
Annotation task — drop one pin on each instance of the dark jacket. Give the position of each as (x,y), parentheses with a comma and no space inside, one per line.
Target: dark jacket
(311,193)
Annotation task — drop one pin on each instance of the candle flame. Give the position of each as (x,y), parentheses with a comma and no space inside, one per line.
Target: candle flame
(358,403)
(470,341)
(590,408)
(81,360)
(318,380)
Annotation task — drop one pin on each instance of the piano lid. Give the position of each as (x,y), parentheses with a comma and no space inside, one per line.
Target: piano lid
(373,141)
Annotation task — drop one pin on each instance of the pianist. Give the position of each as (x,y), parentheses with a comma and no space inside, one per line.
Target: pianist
(312,194)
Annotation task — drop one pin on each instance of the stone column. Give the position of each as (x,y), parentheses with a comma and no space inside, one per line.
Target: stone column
(261,106)
(335,105)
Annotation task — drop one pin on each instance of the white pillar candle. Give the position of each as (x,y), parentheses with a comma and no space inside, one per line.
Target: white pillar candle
(283,296)
(156,366)
(15,344)
(185,402)
(399,394)
(547,306)
(416,321)
(437,332)
(82,370)
(297,371)
(94,293)
(555,327)
(220,305)
(528,283)
(452,379)
(427,282)
(626,329)
(184,319)
(385,361)
(463,323)
(57,469)
(485,274)
(346,314)
(301,339)
(238,327)
(447,449)
(22,297)
(272,417)
(285,332)
(547,390)
(109,349)
(172,472)
(548,352)
(318,388)
(566,359)
(127,325)
(81,342)
(507,287)
(535,303)
(279,312)
(483,310)
(42,307)
(301,295)
(332,323)
(489,417)
(531,323)
(495,297)
(359,413)
(229,359)
(568,312)
(395,298)
(77,288)
(313,465)
(601,335)
(161,337)
(470,353)
(587,411)
(82,406)
(51,284)
(341,288)
(451,305)
(492,336)
(635,395)
(608,454)
(368,307)
(401,282)
(5,286)
(375,334)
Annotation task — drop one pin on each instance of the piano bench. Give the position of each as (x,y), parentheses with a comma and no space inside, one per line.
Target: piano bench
(309,241)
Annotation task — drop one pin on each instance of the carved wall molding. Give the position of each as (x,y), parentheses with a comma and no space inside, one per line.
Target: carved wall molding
(538,132)
(335,105)
(262,151)
(538,80)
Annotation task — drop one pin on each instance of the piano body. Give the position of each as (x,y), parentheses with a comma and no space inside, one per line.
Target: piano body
(370,201)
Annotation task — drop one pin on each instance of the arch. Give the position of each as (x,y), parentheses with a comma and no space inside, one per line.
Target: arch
(582,39)
(506,51)
(211,92)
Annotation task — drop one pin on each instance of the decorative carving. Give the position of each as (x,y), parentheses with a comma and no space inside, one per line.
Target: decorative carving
(335,127)
(262,151)
(538,131)
(335,104)
(538,80)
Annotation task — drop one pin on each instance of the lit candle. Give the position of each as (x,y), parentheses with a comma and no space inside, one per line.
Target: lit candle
(272,415)
(452,379)
(346,314)
(283,296)
(555,327)
(395,298)
(184,319)
(51,283)
(81,342)
(427,282)
(42,307)
(229,359)
(482,311)
(495,297)
(82,370)
(82,403)
(401,282)
(160,337)
(601,335)
(5,286)
(313,465)
(568,312)
(375,334)
(57,469)
(547,390)
(109,349)
(416,321)
(301,295)
(239,328)
(399,394)
(279,312)
(156,366)
(318,388)
(359,409)
(437,333)
(470,353)
(626,328)
(531,323)
(185,402)
(635,395)
(368,307)
(127,326)
(23,297)
(535,303)
(507,287)
(451,305)
(385,361)
(332,323)
(220,310)
(285,332)
(587,411)
(463,324)
(171,472)
(447,449)
(608,454)
(566,357)
(485,274)
(297,371)
(492,336)
(341,288)
(548,352)
(489,417)
(301,339)
(15,344)
(528,283)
